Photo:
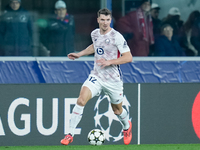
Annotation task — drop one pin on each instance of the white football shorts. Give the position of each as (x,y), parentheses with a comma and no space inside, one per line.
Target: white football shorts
(113,89)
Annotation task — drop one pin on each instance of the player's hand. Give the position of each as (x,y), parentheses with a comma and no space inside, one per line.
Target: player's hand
(73,56)
(103,63)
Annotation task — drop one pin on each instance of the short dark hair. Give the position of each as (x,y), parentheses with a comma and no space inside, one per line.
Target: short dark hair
(105,12)
(164,26)
(143,1)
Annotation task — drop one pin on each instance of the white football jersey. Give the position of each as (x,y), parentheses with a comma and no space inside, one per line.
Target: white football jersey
(109,46)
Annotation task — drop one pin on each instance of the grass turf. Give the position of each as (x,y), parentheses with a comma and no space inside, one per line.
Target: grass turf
(109,147)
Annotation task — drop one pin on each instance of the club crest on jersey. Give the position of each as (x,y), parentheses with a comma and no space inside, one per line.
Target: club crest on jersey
(100,51)
(107,41)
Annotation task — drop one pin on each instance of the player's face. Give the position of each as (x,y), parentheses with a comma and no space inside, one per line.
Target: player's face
(104,22)
(61,12)
(15,5)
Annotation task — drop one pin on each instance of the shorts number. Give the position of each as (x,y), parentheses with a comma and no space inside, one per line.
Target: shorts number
(92,79)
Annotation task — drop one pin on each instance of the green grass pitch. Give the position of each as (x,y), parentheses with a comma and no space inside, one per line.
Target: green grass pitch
(108,147)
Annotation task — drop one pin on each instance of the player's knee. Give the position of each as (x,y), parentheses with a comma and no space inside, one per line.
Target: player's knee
(81,101)
(117,108)
(116,111)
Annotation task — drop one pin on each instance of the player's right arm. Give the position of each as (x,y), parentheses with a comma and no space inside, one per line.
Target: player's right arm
(89,50)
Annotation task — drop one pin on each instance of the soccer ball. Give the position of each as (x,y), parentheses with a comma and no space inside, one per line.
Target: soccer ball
(96,137)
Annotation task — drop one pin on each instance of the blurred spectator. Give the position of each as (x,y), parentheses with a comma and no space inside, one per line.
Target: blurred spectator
(166,45)
(155,9)
(58,36)
(195,35)
(16,30)
(137,28)
(187,31)
(173,19)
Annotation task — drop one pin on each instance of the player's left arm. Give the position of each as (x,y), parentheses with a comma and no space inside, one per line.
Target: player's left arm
(125,58)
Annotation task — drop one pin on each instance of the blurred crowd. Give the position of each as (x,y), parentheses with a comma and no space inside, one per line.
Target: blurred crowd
(21,35)
(146,34)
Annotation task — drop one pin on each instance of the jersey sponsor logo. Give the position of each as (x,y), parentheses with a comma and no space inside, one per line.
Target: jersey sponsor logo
(100,51)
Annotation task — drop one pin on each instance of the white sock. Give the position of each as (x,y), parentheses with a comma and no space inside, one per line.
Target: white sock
(123,117)
(76,116)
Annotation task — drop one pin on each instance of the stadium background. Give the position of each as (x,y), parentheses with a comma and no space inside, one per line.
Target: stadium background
(37,97)
(162,92)
(84,12)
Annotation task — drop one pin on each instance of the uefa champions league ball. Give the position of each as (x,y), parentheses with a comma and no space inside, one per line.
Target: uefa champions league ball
(96,137)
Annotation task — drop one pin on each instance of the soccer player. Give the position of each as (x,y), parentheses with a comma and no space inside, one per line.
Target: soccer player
(110,50)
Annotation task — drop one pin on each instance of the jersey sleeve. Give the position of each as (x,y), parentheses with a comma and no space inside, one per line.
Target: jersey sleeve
(94,34)
(121,43)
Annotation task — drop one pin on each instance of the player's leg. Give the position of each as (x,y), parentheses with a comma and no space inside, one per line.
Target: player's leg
(121,114)
(115,92)
(123,117)
(77,112)
(90,88)
(84,96)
